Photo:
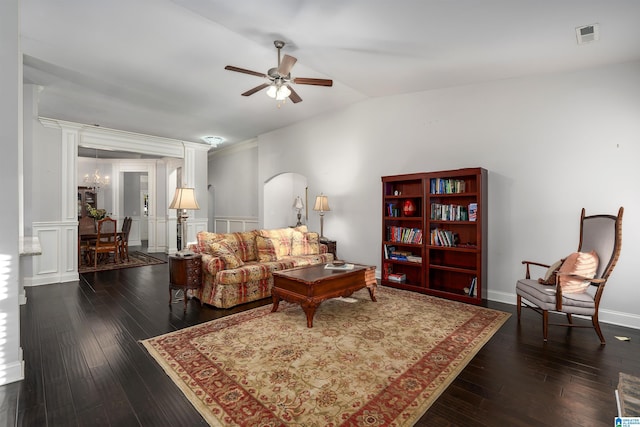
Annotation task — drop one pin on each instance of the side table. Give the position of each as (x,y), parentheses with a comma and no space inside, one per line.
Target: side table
(185,273)
(332,245)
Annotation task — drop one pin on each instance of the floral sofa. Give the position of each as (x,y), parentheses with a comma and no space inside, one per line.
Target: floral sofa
(237,267)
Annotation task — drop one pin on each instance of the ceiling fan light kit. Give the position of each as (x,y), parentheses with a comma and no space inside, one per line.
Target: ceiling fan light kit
(279,78)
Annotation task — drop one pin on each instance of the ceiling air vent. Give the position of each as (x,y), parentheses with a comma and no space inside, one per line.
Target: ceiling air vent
(588,33)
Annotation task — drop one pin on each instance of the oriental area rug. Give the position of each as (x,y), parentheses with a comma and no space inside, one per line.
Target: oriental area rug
(136,259)
(363,363)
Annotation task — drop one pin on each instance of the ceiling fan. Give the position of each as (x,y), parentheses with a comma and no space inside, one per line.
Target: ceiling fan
(279,78)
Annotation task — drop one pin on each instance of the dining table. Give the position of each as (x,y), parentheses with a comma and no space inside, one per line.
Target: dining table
(84,236)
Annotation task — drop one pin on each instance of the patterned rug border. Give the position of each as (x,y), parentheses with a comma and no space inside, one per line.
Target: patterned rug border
(147,260)
(442,378)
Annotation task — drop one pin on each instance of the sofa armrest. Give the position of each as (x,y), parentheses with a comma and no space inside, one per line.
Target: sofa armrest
(212,264)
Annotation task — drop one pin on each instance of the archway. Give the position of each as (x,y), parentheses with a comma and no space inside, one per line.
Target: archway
(280,192)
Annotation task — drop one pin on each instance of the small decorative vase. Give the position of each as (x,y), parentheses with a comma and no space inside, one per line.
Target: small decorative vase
(409,208)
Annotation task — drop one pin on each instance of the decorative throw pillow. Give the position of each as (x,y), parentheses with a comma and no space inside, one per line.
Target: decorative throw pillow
(550,276)
(226,254)
(205,239)
(266,249)
(582,264)
(281,239)
(305,243)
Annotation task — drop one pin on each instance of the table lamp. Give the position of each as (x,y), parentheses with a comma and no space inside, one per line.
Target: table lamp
(322,205)
(298,205)
(183,199)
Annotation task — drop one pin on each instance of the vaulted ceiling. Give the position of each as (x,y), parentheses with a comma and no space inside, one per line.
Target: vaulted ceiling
(157,66)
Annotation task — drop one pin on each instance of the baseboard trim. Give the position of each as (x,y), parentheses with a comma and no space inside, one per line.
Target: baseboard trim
(628,320)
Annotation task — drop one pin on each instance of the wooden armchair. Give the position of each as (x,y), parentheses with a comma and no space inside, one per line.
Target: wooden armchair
(599,233)
(106,241)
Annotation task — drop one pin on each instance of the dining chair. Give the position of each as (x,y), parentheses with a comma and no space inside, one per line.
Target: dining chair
(123,239)
(86,226)
(106,240)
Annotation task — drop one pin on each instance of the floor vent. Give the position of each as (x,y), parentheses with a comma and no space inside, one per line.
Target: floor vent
(588,33)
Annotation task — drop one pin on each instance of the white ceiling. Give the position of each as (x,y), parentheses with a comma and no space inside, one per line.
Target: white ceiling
(157,66)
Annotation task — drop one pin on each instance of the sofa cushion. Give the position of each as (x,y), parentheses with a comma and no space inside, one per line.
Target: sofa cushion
(281,240)
(266,249)
(246,273)
(582,264)
(223,251)
(242,243)
(304,243)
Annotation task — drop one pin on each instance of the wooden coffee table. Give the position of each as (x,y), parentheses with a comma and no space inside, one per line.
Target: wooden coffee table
(310,285)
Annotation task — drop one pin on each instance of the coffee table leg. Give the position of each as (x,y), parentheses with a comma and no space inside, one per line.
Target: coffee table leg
(276,302)
(309,310)
(372,292)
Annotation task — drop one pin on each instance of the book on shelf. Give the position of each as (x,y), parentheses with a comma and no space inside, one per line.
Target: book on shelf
(472,287)
(388,250)
(473,211)
(397,277)
(413,258)
(447,186)
(345,266)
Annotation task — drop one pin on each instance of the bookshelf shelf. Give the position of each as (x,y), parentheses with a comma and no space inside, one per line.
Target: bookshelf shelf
(448,216)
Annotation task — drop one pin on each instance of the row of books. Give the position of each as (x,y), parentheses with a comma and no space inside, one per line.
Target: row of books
(447,186)
(392,210)
(440,237)
(441,212)
(404,235)
(390,252)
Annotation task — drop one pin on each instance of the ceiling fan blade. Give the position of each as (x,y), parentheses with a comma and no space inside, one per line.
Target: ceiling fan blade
(255,89)
(285,65)
(242,70)
(294,97)
(315,82)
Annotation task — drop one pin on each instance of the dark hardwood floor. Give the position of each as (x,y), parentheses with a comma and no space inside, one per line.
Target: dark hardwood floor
(85,367)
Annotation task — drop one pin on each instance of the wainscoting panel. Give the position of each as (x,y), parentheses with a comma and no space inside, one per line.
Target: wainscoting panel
(235,224)
(158,236)
(59,260)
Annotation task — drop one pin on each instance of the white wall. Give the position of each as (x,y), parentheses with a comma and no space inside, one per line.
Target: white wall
(552,144)
(11,365)
(233,181)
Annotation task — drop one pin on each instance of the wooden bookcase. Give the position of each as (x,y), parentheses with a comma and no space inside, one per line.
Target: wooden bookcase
(429,237)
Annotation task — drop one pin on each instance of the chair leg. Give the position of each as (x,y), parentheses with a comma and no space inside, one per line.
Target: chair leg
(519,306)
(596,326)
(570,318)
(545,324)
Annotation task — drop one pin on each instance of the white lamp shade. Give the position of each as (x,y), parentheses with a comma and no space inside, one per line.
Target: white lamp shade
(184,198)
(322,203)
(298,203)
